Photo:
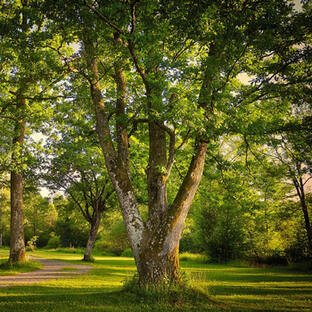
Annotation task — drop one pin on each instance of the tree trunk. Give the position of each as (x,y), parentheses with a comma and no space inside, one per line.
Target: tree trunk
(301,194)
(94,227)
(115,165)
(158,265)
(159,252)
(154,244)
(1,229)
(17,242)
(307,225)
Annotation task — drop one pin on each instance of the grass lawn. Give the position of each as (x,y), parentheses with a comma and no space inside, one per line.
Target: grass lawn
(233,288)
(5,269)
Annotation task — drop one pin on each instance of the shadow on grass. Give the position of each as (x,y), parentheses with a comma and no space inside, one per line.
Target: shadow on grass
(251,275)
(55,299)
(300,291)
(240,288)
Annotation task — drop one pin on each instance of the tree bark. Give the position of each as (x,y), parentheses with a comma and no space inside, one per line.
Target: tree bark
(159,254)
(121,120)
(115,165)
(17,242)
(94,227)
(301,194)
(1,229)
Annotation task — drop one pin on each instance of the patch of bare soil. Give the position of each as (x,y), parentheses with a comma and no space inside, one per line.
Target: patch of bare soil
(51,270)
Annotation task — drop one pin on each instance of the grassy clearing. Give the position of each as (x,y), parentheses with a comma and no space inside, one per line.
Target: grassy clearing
(7,269)
(231,288)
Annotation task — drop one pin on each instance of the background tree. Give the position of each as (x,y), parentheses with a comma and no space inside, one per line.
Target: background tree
(4,207)
(40,218)
(293,151)
(78,169)
(72,229)
(25,68)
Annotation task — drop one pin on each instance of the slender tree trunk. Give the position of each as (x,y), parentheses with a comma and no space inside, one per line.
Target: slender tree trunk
(301,194)
(17,242)
(307,225)
(1,229)
(94,227)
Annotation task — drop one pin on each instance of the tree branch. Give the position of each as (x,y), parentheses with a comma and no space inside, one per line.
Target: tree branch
(135,125)
(102,17)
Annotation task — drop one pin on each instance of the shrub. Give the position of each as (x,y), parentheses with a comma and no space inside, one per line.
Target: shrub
(113,241)
(31,244)
(273,259)
(127,253)
(54,241)
(198,258)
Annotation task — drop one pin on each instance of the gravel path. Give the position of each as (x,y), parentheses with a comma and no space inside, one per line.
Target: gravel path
(51,270)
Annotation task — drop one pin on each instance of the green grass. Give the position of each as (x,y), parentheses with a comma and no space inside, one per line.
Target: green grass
(69,269)
(230,287)
(197,258)
(8,269)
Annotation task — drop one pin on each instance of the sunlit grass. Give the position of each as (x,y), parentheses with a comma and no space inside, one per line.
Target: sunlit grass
(231,288)
(21,267)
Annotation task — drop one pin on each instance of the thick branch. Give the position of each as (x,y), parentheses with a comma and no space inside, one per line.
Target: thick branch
(135,125)
(121,117)
(103,18)
(136,63)
(171,148)
(189,185)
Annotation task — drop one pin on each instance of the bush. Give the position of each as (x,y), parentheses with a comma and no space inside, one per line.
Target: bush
(114,241)
(72,234)
(54,241)
(221,232)
(31,244)
(198,258)
(271,259)
(127,253)
(71,250)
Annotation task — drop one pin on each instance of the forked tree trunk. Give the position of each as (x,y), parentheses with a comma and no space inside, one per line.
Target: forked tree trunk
(17,242)
(159,253)
(154,244)
(94,227)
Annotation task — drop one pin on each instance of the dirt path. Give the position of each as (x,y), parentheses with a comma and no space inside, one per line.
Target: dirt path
(51,270)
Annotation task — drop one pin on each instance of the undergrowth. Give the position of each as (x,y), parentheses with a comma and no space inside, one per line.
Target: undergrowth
(183,295)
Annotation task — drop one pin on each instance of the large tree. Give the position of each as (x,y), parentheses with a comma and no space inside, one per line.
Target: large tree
(188,59)
(172,68)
